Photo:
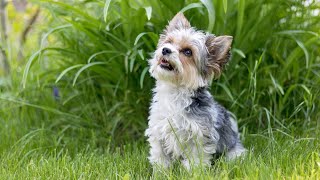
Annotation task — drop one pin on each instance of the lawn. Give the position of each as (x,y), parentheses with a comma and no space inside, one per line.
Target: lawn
(275,155)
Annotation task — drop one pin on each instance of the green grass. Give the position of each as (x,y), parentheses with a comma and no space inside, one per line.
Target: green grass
(278,157)
(95,53)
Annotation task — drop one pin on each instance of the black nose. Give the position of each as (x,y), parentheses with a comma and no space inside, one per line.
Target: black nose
(166,51)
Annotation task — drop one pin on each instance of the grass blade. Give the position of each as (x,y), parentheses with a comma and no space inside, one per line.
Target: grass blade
(105,10)
(305,51)
(45,108)
(241,7)
(225,5)
(32,59)
(239,52)
(84,68)
(101,52)
(291,32)
(148,12)
(211,14)
(67,70)
(191,6)
(145,70)
(150,34)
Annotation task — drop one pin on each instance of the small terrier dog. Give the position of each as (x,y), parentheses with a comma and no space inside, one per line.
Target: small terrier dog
(185,122)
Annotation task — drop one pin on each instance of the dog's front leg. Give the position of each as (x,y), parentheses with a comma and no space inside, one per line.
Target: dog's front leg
(157,156)
(197,155)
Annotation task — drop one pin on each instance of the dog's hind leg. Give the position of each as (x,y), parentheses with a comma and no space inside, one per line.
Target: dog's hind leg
(236,151)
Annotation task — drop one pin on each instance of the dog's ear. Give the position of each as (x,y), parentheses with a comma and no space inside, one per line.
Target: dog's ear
(218,53)
(179,21)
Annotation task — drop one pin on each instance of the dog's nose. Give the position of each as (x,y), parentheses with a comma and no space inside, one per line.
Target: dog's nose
(166,51)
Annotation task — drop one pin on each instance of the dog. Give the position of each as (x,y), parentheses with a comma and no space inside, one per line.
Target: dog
(185,123)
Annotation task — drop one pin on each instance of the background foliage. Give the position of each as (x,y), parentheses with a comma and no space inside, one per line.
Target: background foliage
(86,83)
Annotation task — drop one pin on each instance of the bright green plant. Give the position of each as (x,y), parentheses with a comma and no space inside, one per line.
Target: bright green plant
(96,53)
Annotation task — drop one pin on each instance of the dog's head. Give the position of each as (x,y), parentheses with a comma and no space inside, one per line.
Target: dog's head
(188,57)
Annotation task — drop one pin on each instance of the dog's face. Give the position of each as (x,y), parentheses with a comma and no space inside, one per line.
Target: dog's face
(187,57)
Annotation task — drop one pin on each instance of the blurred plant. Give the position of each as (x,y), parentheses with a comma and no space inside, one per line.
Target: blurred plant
(17,21)
(3,37)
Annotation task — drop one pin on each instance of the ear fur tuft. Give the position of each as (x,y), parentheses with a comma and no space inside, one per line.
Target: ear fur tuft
(179,21)
(218,53)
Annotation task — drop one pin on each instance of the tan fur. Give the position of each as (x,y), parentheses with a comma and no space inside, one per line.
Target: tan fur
(219,52)
(179,21)
(190,75)
(209,54)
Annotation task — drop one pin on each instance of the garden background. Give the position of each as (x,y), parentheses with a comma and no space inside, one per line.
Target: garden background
(75,88)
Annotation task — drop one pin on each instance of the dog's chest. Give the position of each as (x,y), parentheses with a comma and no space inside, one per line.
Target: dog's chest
(168,116)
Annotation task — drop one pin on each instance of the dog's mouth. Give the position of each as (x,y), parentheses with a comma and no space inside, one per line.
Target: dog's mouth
(164,64)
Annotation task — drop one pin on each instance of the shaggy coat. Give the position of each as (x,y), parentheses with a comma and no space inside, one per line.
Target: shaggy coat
(185,122)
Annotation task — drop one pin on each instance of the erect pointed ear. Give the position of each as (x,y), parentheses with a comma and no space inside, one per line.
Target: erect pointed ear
(218,53)
(179,21)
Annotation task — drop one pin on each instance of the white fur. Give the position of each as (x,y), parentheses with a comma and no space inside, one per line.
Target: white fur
(177,132)
(171,131)
(190,80)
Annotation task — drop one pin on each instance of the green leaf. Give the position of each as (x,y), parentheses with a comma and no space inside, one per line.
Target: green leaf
(148,12)
(145,70)
(33,58)
(191,6)
(105,10)
(227,90)
(239,52)
(84,68)
(42,107)
(67,70)
(101,52)
(276,85)
(211,13)
(140,52)
(305,51)
(291,32)
(51,31)
(138,37)
(225,5)
(74,9)
(241,8)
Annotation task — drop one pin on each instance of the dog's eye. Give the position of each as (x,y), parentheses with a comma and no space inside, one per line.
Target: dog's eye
(187,52)
(168,41)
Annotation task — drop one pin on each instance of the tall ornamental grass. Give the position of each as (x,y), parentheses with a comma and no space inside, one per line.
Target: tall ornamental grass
(94,55)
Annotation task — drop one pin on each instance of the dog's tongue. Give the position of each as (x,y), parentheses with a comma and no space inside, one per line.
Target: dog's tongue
(165,64)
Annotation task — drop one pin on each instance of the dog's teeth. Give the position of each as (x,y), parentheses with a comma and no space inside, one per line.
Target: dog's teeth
(164,61)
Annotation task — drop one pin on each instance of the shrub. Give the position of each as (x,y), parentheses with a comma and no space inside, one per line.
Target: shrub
(95,53)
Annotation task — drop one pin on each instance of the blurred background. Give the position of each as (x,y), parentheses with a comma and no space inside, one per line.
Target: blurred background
(74,73)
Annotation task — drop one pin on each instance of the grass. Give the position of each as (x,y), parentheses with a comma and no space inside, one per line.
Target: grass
(278,157)
(77,106)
